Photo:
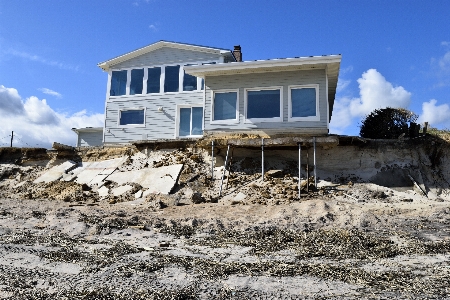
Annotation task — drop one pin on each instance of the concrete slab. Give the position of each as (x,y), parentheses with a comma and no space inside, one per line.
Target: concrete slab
(97,171)
(138,194)
(103,191)
(121,190)
(156,180)
(240,196)
(74,173)
(56,172)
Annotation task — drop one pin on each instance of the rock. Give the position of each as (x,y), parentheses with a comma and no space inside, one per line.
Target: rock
(197,198)
(138,194)
(164,244)
(274,173)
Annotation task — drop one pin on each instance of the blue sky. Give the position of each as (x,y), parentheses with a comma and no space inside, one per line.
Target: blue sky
(394,53)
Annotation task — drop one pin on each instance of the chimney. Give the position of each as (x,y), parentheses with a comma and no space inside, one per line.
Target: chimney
(237,53)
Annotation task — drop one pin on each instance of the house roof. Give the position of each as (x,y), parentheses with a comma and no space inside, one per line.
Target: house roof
(124,57)
(331,62)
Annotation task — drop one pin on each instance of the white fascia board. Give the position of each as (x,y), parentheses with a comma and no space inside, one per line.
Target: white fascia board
(251,66)
(87,129)
(107,64)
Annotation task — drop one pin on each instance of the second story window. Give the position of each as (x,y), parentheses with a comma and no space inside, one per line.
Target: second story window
(172,79)
(137,80)
(154,80)
(118,83)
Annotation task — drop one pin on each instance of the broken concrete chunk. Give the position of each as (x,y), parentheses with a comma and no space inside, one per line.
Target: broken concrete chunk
(58,146)
(121,190)
(56,172)
(158,181)
(96,172)
(138,194)
(274,173)
(240,196)
(103,191)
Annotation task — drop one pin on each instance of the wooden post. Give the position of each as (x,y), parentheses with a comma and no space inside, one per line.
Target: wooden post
(12,137)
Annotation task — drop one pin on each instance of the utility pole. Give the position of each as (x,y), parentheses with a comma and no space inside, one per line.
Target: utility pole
(12,136)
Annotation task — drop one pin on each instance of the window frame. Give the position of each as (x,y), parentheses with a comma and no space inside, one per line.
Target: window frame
(131,125)
(262,120)
(162,79)
(309,118)
(177,120)
(228,121)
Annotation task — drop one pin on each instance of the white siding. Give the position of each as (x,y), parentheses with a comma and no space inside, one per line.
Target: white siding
(284,79)
(90,139)
(158,124)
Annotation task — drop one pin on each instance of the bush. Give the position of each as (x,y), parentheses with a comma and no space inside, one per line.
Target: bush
(387,123)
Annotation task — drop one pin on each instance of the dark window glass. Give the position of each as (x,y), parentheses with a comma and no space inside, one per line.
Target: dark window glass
(191,121)
(137,81)
(153,80)
(197,120)
(225,106)
(202,87)
(263,104)
(118,83)
(189,82)
(303,102)
(132,117)
(172,80)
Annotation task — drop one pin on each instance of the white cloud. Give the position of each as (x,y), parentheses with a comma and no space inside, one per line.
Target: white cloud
(37,58)
(445,43)
(342,85)
(444,62)
(35,123)
(10,101)
(435,115)
(375,92)
(50,92)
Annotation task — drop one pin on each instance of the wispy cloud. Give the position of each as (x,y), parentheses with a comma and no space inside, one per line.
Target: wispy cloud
(154,27)
(445,43)
(42,60)
(440,68)
(348,69)
(50,92)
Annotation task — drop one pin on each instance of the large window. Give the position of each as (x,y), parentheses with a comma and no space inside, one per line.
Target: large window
(264,104)
(154,80)
(132,117)
(137,81)
(224,106)
(190,121)
(172,79)
(304,103)
(118,83)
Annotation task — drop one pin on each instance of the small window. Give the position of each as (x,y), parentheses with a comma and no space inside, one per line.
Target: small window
(172,79)
(137,81)
(190,121)
(224,106)
(118,83)
(132,117)
(264,105)
(303,103)
(154,80)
